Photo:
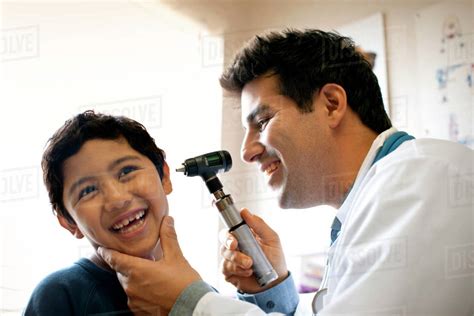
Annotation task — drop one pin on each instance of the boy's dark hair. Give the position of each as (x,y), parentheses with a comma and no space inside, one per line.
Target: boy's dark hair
(305,61)
(69,139)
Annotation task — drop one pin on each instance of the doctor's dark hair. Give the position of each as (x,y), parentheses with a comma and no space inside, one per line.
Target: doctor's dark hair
(305,61)
(68,140)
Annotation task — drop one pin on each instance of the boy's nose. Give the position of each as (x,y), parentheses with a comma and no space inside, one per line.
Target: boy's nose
(117,197)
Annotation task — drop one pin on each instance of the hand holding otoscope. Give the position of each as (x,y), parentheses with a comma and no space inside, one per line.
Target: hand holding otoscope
(207,166)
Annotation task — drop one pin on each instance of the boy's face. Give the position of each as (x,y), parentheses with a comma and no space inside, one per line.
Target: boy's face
(115,196)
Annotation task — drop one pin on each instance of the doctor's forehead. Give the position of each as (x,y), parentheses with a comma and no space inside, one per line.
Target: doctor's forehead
(258,96)
(260,87)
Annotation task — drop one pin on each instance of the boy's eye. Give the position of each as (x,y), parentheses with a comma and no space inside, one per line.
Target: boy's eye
(126,170)
(87,190)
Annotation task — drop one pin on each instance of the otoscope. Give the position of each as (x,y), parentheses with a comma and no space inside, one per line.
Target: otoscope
(207,166)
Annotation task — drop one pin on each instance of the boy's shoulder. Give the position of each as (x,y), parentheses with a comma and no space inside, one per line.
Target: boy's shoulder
(81,288)
(82,273)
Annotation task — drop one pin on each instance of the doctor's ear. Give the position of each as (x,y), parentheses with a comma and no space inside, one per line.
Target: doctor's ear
(335,102)
(70,226)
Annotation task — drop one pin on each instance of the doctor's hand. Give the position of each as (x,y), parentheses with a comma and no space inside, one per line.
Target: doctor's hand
(153,286)
(237,267)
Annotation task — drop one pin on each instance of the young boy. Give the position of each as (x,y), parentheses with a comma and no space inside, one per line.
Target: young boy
(107,181)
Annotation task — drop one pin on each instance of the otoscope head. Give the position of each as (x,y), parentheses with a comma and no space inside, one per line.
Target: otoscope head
(207,165)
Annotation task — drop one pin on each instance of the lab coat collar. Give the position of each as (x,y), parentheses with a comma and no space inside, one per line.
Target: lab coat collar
(369,158)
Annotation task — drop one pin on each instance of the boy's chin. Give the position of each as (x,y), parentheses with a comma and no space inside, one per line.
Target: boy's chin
(152,254)
(149,253)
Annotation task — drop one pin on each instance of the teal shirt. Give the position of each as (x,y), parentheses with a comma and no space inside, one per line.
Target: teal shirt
(82,289)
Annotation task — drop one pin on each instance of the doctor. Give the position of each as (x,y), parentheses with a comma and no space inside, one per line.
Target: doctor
(402,241)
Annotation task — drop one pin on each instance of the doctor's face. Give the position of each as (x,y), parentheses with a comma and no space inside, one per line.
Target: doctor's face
(116,197)
(290,147)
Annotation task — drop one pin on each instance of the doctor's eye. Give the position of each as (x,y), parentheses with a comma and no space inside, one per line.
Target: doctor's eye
(262,124)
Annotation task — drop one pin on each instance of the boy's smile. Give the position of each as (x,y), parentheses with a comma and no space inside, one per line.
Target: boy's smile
(130,222)
(116,197)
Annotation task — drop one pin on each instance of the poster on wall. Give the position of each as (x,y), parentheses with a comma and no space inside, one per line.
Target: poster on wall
(445,51)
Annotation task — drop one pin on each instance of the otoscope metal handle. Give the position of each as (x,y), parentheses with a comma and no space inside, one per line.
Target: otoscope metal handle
(262,268)
(207,166)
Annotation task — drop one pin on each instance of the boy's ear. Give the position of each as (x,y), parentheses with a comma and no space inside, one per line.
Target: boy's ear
(335,100)
(72,227)
(166,181)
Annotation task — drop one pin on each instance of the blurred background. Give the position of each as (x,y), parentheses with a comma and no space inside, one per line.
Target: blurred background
(159,63)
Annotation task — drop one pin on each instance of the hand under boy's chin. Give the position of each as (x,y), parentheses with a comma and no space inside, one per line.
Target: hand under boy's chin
(154,255)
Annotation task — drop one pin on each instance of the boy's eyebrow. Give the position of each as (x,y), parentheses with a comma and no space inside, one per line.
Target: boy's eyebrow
(112,165)
(261,108)
(120,160)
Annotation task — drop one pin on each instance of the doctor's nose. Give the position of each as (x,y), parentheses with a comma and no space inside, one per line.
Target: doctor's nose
(116,196)
(251,148)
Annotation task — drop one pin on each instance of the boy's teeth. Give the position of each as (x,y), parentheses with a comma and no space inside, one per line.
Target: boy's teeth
(135,225)
(126,221)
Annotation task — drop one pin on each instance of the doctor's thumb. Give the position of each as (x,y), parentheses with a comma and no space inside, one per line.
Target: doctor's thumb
(259,226)
(169,238)
(116,260)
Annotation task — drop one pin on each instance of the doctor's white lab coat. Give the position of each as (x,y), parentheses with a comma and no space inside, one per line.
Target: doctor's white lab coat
(406,245)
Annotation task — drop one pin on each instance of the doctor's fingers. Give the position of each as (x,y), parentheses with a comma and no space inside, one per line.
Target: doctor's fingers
(123,279)
(237,258)
(231,270)
(264,233)
(227,239)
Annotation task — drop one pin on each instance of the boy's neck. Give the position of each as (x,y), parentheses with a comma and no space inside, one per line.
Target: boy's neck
(98,261)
